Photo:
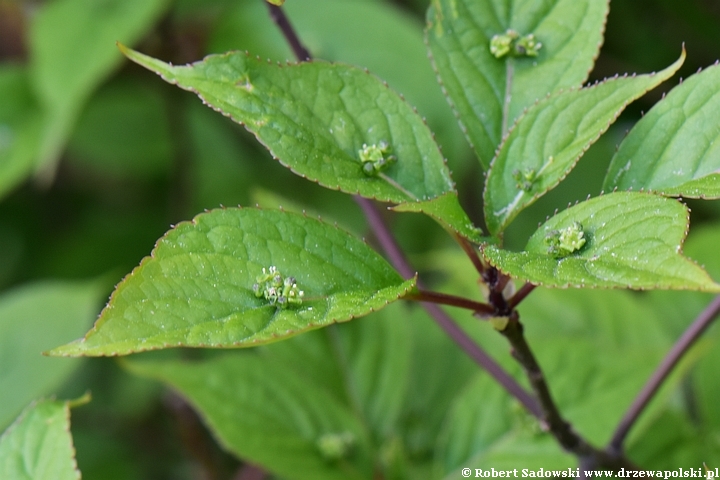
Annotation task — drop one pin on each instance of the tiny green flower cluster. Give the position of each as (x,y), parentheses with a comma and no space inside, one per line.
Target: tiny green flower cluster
(335,446)
(524,178)
(511,43)
(374,158)
(562,243)
(279,291)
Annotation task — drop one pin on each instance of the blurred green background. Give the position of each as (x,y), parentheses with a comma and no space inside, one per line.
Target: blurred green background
(98,158)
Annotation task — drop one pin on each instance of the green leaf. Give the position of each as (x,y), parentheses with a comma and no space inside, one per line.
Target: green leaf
(675,148)
(548,140)
(589,337)
(376,354)
(20,127)
(38,446)
(265,413)
(676,439)
(34,318)
(341,34)
(318,119)
(481,415)
(371,363)
(584,340)
(315,118)
(678,308)
(196,289)
(71,54)
(446,210)
(489,93)
(363,367)
(632,240)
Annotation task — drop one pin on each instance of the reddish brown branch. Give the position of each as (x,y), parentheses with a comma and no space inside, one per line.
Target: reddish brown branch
(472,253)
(694,331)
(550,418)
(278,16)
(451,300)
(520,295)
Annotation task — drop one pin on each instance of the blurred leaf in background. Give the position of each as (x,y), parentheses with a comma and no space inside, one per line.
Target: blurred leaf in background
(33,319)
(38,446)
(69,58)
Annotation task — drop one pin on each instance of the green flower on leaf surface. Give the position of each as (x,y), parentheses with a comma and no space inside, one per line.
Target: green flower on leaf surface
(335,446)
(375,158)
(524,178)
(527,46)
(512,43)
(279,291)
(566,241)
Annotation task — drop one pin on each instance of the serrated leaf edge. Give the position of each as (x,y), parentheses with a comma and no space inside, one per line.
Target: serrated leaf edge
(61,351)
(660,191)
(453,107)
(129,52)
(600,287)
(502,225)
(66,427)
(411,207)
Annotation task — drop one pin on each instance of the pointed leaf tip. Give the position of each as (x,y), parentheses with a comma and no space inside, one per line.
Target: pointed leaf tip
(618,240)
(38,444)
(333,124)
(548,140)
(238,278)
(489,93)
(674,149)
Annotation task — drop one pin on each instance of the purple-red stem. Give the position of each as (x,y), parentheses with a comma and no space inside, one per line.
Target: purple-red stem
(688,338)
(451,300)
(281,20)
(397,258)
(520,295)
(472,253)
(458,335)
(385,237)
(250,472)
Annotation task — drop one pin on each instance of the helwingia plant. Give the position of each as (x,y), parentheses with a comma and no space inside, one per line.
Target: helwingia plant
(515,73)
